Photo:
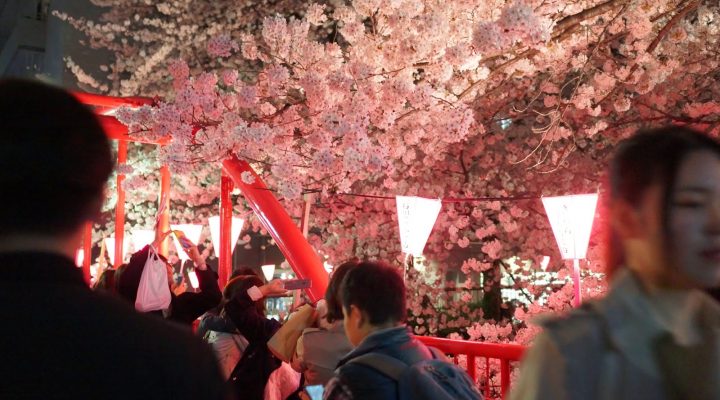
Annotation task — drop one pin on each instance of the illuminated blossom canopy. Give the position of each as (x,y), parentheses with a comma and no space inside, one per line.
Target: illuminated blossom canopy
(440,99)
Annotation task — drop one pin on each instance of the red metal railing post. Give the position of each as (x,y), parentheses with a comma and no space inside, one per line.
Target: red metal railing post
(164,224)
(87,251)
(487,377)
(504,377)
(500,351)
(120,206)
(471,367)
(226,211)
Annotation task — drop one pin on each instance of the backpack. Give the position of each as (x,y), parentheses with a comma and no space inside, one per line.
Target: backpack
(435,379)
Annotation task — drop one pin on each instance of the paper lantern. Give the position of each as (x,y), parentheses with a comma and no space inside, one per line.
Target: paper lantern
(416,218)
(236,229)
(110,246)
(571,218)
(545,262)
(269,271)
(79,257)
(192,231)
(141,238)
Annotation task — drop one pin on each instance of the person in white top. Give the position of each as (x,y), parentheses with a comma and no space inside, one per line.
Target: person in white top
(656,334)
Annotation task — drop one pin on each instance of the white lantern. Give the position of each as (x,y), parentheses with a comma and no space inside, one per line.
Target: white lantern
(237,225)
(416,218)
(192,231)
(79,257)
(110,248)
(571,218)
(141,238)
(269,271)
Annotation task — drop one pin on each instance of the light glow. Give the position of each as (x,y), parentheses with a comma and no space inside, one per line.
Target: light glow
(79,257)
(545,262)
(571,218)
(416,218)
(268,271)
(193,279)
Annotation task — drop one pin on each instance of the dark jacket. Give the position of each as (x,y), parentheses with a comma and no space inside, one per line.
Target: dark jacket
(252,372)
(356,381)
(212,321)
(62,340)
(186,307)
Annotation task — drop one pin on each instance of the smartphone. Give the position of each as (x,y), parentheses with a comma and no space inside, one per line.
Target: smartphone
(184,241)
(292,284)
(315,391)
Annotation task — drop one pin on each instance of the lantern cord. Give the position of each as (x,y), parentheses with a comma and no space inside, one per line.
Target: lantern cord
(450,199)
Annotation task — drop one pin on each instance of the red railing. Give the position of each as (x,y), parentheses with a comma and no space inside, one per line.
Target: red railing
(505,353)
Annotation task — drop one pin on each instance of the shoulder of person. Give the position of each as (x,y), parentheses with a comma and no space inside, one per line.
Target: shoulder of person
(155,342)
(365,382)
(580,330)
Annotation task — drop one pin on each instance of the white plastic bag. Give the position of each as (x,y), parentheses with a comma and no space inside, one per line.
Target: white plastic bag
(153,292)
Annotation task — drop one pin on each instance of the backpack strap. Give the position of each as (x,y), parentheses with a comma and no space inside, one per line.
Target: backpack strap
(437,354)
(386,365)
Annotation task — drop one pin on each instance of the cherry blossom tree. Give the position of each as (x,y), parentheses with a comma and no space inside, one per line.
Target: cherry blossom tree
(486,104)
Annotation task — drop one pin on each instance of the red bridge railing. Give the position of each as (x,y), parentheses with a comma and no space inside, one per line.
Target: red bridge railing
(505,353)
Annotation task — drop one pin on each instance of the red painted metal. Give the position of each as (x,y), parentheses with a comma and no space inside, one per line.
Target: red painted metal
(115,130)
(298,252)
(487,381)
(504,376)
(111,101)
(503,352)
(120,207)
(87,251)
(226,211)
(164,224)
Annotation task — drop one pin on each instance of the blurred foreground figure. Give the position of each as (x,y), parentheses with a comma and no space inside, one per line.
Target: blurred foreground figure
(59,338)
(656,335)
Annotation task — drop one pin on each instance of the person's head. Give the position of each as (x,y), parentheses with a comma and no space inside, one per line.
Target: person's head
(332,294)
(106,281)
(373,298)
(243,270)
(241,284)
(54,162)
(664,204)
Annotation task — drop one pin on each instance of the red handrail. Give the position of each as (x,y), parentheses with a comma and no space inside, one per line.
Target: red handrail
(499,351)
(100,100)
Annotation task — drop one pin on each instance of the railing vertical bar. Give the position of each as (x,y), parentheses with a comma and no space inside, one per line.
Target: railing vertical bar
(471,367)
(504,377)
(487,377)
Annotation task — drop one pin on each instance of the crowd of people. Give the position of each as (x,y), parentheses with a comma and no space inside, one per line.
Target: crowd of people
(654,335)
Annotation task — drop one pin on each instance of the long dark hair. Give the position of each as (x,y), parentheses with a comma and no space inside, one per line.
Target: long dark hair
(241,284)
(649,157)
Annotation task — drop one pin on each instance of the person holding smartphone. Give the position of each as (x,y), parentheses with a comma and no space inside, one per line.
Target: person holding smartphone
(185,307)
(319,349)
(245,306)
